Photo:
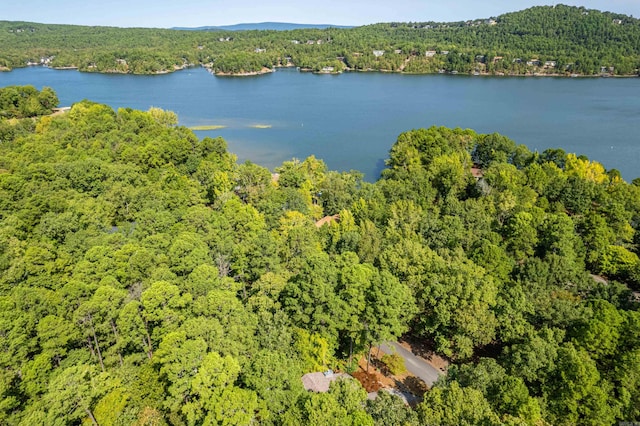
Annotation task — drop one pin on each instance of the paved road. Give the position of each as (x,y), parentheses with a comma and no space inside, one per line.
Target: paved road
(415,364)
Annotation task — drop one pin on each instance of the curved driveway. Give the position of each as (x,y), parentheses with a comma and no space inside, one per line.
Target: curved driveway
(415,365)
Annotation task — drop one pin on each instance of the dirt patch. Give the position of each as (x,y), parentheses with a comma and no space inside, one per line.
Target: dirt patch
(374,379)
(379,377)
(369,381)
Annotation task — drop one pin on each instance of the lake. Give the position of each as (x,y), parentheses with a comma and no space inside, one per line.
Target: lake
(352,120)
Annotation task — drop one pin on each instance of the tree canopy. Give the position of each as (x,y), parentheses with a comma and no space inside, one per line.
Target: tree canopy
(147,278)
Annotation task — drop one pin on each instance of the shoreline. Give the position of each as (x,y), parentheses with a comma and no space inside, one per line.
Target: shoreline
(485,74)
(263,71)
(266,71)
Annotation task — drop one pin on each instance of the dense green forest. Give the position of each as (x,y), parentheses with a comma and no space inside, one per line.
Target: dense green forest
(560,40)
(147,278)
(26,101)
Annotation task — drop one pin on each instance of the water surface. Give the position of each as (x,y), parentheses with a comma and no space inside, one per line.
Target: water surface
(352,120)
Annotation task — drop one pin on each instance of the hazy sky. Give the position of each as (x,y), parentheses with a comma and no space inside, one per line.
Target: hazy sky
(192,13)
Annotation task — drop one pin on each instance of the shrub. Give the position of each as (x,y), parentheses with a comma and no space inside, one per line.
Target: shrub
(395,364)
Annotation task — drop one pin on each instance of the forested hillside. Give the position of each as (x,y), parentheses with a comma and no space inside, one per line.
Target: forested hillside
(147,278)
(560,40)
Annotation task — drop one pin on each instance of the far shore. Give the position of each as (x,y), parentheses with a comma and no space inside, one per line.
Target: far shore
(265,71)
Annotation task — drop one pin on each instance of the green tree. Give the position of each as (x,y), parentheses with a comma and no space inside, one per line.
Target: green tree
(493,148)
(599,335)
(310,296)
(578,394)
(72,395)
(456,405)
(179,359)
(162,310)
(390,410)
(279,391)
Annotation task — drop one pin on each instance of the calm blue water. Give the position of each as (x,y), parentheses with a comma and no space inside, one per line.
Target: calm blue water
(352,120)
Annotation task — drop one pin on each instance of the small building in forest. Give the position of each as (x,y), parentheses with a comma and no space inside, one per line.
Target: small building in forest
(477,172)
(320,382)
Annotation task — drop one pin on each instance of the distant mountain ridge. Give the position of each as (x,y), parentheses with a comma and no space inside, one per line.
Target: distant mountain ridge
(277,26)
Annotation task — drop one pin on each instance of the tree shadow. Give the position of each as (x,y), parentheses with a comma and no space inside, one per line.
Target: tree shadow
(415,385)
(380,366)
(420,347)
(412,392)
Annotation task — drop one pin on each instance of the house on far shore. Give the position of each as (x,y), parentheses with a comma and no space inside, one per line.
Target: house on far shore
(259,50)
(378,53)
(320,382)
(550,64)
(430,53)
